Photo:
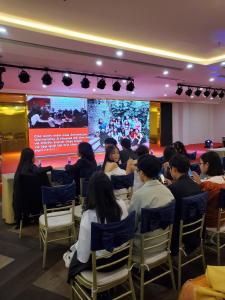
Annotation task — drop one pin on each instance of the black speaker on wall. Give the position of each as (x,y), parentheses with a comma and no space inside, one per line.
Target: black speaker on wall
(166,126)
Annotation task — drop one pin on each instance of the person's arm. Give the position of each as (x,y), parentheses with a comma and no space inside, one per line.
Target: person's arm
(73,169)
(41,170)
(196,177)
(84,239)
(131,166)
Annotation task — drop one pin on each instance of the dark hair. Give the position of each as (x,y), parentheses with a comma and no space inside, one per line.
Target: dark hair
(126,143)
(149,165)
(180,148)
(108,152)
(180,162)
(168,153)
(215,165)
(110,141)
(142,150)
(85,151)
(26,162)
(102,199)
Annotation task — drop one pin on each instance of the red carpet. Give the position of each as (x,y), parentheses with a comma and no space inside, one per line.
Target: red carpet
(10,160)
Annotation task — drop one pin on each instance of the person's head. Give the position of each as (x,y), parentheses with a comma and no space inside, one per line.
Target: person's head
(179,147)
(102,199)
(179,165)
(85,151)
(136,131)
(148,167)
(126,144)
(210,164)
(110,141)
(112,154)
(168,153)
(26,161)
(142,150)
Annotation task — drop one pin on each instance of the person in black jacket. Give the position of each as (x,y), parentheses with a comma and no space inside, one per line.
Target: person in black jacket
(127,152)
(183,186)
(84,167)
(25,170)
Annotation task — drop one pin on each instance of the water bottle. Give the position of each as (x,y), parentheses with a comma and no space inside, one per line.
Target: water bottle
(69,161)
(39,163)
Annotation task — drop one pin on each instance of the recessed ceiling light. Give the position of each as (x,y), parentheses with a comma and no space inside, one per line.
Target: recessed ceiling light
(67,74)
(119,53)
(3,30)
(211,79)
(222,63)
(165,95)
(192,96)
(201,89)
(94,90)
(124,81)
(44,86)
(189,66)
(133,92)
(211,98)
(167,85)
(166,72)
(99,63)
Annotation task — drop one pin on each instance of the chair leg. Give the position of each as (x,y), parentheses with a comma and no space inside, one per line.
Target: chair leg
(179,270)
(21,226)
(133,295)
(40,238)
(203,255)
(218,249)
(142,287)
(45,242)
(171,272)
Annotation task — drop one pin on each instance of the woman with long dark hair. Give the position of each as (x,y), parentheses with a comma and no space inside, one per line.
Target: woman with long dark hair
(180,148)
(102,207)
(85,165)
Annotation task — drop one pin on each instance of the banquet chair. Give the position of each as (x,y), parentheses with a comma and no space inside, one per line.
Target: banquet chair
(193,210)
(192,155)
(123,186)
(60,177)
(155,219)
(219,231)
(111,252)
(58,217)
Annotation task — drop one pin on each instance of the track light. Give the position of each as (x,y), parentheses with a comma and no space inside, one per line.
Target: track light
(207,93)
(179,90)
(116,86)
(46,79)
(2,70)
(221,94)
(214,94)
(101,84)
(198,92)
(24,77)
(85,83)
(130,86)
(67,80)
(188,92)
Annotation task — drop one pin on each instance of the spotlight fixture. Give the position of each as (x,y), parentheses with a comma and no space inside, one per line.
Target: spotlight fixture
(46,79)
(130,86)
(116,86)
(207,93)
(221,94)
(198,92)
(214,94)
(24,77)
(2,70)
(119,53)
(67,80)
(101,84)
(188,92)
(179,90)
(85,83)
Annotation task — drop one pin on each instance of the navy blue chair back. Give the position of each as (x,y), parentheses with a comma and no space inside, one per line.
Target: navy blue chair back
(58,195)
(123,166)
(193,207)
(161,159)
(84,187)
(61,177)
(157,218)
(122,181)
(113,235)
(222,199)
(195,168)
(223,162)
(192,155)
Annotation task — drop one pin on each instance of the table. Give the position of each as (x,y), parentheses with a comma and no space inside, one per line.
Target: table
(219,151)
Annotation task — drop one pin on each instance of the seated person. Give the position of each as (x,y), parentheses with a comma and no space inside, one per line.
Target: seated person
(100,199)
(127,153)
(180,148)
(168,153)
(85,165)
(26,166)
(183,186)
(211,166)
(110,141)
(140,151)
(152,194)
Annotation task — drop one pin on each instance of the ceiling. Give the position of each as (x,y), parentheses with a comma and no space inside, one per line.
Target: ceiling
(193,31)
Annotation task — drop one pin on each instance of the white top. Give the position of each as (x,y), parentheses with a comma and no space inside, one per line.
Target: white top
(137,181)
(34,119)
(83,245)
(216,179)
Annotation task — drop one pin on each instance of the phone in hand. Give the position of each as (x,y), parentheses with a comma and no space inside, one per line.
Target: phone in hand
(190,173)
(162,178)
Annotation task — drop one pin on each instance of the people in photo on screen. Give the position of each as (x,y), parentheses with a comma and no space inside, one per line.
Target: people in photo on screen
(85,165)
(25,168)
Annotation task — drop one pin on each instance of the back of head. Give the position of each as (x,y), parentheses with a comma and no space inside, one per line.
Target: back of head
(110,141)
(142,150)
(102,199)
(26,161)
(168,153)
(149,165)
(85,151)
(215,167)
(180,162)
(126,143)
(179,147)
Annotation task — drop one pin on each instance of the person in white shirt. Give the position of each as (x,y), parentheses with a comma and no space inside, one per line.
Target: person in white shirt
(102,207)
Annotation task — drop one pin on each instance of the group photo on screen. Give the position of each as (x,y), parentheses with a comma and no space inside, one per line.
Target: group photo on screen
(57,112)
(118,119)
